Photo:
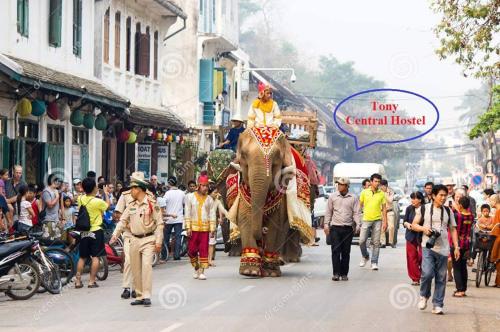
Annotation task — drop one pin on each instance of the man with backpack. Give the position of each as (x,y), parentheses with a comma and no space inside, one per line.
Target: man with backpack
(434,219)
(89,222)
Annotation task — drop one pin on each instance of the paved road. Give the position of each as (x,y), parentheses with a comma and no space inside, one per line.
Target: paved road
(304,299)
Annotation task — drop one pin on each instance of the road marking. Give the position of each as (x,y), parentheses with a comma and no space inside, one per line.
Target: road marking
(213,305)
(172,327)
(245,289)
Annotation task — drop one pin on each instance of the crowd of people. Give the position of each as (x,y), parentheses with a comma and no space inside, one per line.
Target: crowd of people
(441,227)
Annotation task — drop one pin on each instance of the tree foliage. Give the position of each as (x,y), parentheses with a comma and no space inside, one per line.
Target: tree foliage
(467,33)
(489,122)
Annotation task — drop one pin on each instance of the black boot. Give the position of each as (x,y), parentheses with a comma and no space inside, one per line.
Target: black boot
(134,295)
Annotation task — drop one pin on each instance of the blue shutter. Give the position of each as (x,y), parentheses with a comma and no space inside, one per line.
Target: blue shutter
(77,28)
(208,113)
(55,22)
(206,80)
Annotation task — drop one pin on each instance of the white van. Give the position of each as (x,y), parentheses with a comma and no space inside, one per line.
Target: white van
(356,173)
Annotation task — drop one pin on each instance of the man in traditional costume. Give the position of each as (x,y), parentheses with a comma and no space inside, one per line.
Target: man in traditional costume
(264,110)
(200,224)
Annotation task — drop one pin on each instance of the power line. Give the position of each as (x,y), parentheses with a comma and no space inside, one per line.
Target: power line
(438,148)
(339,98)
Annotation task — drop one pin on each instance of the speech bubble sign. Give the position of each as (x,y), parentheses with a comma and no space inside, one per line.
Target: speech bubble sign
(345,125)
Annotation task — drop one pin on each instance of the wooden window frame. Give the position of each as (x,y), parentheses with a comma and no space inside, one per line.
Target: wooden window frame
(128,51)
(32,126)
(155,55)
(106,37)
(80,136)
(55,134)
(117,38)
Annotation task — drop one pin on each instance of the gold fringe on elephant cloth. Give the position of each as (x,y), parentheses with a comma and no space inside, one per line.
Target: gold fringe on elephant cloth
(298,211)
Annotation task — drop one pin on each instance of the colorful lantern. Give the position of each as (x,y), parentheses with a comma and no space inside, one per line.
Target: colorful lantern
(132,138)
(53,110)
(38,107)
(123,136)
(65,112)
(24,107)
(170,138)
(88,121)
(100,122)
(76,118)
(150,132)
(177,139)
(159,136)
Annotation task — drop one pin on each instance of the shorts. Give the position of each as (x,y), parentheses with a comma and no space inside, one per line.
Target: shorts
(92,244)
(212,241)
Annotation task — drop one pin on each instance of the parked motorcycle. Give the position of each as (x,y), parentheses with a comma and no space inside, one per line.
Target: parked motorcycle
(19,273)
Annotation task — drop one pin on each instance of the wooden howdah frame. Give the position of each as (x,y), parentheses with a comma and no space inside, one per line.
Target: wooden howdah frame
(307,121)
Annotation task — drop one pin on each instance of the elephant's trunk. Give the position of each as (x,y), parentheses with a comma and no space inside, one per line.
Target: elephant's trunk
(259,186)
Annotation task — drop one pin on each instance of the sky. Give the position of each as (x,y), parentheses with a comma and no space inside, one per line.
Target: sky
(390,40)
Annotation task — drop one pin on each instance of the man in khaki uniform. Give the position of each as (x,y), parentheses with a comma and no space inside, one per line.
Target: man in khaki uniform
(124,201)
(144,220)
(391,222)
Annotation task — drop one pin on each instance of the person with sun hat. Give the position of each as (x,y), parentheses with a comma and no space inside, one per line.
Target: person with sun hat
(143,218)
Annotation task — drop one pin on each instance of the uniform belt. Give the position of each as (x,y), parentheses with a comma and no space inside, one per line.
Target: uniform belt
(140,236)
(389,210)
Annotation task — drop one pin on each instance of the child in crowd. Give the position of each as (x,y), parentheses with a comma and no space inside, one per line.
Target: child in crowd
(485,222)
(69,217)
(24,210)
(4,176)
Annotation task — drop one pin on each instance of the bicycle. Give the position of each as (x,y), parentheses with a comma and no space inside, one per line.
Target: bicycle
(484,243)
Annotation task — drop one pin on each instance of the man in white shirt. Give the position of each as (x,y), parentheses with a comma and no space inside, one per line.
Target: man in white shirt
(172,206)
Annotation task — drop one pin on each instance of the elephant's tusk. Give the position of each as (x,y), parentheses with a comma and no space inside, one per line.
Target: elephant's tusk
(235,166)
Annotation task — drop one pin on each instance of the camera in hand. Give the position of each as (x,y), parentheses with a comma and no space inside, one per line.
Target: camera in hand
(432,239)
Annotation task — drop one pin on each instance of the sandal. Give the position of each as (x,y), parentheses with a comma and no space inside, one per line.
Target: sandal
(459,294)
(94,285)
(78,282)
(415,283)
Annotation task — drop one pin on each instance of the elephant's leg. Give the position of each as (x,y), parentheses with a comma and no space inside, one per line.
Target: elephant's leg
(250,262)
(274,241)
(292,250)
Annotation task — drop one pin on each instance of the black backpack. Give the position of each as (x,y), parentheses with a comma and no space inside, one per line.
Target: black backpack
(83,219)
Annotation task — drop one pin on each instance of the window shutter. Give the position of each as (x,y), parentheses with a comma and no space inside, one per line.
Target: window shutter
(218,82)
(155,60)
(26,18)
(55,22)
(23,17)
(144,55)
(137,50)
(117,39)
(77,27)
(129,36)
(106,37)
(206,80)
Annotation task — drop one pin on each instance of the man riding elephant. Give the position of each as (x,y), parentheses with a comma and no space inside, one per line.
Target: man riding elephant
(264,110)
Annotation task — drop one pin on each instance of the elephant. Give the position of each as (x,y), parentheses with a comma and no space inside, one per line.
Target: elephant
(260,211)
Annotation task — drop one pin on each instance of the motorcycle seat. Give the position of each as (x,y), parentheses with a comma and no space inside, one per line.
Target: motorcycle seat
(48,242)
(11,247)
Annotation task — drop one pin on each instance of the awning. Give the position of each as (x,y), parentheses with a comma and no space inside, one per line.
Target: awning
(158,118)
(172,7)
(42,77)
